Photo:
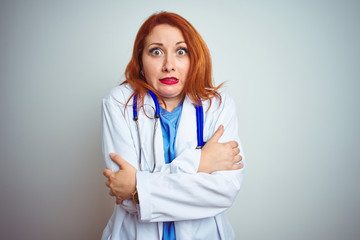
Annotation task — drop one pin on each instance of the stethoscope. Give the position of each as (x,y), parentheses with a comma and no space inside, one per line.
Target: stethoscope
(199,125)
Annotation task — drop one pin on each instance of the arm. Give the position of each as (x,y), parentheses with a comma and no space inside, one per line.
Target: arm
(176,181)
(180,196)
(117,138)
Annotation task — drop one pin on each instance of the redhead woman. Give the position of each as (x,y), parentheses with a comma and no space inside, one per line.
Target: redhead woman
(170,140)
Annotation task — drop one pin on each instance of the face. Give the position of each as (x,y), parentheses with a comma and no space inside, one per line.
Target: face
(166,62)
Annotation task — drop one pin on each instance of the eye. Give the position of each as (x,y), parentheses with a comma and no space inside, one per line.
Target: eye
(156,52)
(182,51)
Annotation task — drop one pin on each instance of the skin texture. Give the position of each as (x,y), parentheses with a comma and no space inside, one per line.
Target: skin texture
(165,55)
(217,156)
(123,182)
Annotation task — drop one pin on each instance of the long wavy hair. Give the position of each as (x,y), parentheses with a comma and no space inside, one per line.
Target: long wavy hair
(199,83)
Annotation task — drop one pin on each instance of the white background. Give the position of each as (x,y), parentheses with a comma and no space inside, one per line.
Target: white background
(291,66)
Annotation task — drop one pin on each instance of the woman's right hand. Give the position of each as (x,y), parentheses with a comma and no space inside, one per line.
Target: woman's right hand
(217,156)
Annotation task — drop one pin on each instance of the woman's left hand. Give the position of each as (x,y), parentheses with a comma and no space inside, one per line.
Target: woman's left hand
(123,182)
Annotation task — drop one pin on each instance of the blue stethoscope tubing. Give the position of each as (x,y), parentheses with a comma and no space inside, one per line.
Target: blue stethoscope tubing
(199,124)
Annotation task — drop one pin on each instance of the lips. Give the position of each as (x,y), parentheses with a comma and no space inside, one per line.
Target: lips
(169,80)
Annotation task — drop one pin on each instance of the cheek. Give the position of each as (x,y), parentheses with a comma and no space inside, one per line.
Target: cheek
(150,74)
(151,66)
(185,68)
(148,69)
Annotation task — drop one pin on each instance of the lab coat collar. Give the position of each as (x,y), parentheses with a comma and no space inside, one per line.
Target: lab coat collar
(186,133)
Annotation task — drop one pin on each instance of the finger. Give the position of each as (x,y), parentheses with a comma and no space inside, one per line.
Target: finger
(119,200)
(236,151)
(118,160)
(219,132)
(237,166)
(107,183)
(107,172)
(233,144)
(237,158)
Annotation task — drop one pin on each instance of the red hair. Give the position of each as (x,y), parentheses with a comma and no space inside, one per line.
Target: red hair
(198,85)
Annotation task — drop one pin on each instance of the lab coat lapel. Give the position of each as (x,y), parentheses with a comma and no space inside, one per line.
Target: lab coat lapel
(146,125)
(186,133)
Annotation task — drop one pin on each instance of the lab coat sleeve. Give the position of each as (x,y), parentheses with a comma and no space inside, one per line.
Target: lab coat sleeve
(116,139)
(187,162)
(183,196)
(116,134)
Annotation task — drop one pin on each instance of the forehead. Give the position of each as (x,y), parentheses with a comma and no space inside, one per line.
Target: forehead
(165,34)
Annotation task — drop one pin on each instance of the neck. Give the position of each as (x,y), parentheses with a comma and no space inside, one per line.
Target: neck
(171,104)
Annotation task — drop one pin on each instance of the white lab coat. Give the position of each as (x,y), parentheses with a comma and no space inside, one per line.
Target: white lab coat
(174,192)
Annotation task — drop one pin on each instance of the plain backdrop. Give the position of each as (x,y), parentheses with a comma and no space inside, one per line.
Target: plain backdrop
(291,66)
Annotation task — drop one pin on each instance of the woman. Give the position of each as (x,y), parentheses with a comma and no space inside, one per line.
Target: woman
(167,187)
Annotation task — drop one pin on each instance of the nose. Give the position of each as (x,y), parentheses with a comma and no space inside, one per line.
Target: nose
(169,64)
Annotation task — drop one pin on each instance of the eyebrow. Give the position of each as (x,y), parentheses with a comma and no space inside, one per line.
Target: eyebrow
(160,44)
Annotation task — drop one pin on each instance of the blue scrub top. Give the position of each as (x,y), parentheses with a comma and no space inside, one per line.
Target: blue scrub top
(169,125)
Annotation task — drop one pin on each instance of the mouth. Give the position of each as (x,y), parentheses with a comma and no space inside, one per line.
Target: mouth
(169,80)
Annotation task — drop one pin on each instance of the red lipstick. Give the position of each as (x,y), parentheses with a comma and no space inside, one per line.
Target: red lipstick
(169,80)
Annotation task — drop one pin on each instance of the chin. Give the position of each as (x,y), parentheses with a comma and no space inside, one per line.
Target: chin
(169,94)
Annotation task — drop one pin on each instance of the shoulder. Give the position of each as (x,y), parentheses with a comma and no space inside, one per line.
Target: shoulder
(119,94)
(224,101)
(225,98)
